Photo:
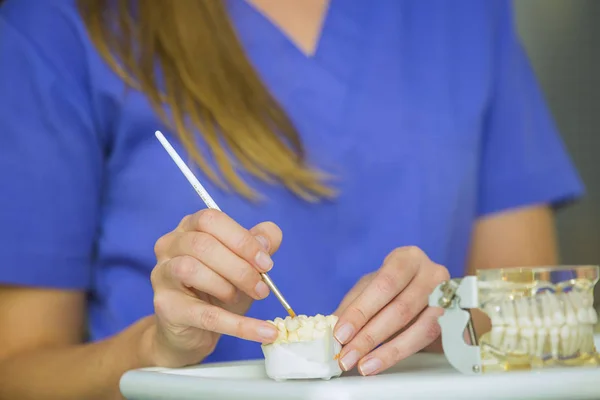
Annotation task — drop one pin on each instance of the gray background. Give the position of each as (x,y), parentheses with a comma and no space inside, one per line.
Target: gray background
(562,38)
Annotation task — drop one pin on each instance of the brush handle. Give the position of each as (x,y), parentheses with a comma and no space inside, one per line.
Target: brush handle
(210,203)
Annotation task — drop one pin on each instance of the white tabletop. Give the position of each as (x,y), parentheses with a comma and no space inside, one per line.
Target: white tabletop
(422,376)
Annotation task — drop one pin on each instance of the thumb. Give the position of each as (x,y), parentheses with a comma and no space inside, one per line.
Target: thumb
(269,235)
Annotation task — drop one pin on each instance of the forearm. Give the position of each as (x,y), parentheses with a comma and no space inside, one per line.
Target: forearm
(88,371)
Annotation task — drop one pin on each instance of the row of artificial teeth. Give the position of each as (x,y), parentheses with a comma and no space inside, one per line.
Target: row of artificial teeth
(559,325)
(303,328)
(558,342)
(544,310)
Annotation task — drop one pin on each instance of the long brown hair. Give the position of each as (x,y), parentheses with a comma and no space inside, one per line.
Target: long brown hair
(211,89)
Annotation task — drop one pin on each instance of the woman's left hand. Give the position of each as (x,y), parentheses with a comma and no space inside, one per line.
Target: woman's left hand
(390,306)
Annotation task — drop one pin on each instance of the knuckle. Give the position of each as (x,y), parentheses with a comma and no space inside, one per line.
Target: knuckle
(394,354)
(240,328)
(358,315)
(247,245)
(205,219)
(410,257)
(414,252)
(208,319)
(185,221)
(432,330)
(201,243)
(247,276)
(155,276)
(440,273)
(161,245)
(162,305)
(401,309)
(405,252)
(247,283)
(365,280)
(229,295)
(393,255)
(369,340)
(182,268)
(386,282)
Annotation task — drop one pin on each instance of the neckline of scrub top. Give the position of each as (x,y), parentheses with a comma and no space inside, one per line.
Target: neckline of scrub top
(291,41)
(318,84)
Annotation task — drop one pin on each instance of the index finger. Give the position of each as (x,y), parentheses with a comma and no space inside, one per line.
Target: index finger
(212,318)
(396,273)
(234,236)
(187,311)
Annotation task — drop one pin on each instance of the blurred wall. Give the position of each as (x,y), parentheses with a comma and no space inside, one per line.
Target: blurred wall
(562,38)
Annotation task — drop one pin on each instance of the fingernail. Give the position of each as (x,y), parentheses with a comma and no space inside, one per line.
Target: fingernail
(349,360)
(267,332)
(370,366)
(264,261)
(344,332)
(263,242)
(261,289)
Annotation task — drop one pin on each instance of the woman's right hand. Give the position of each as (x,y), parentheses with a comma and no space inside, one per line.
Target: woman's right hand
(206,277)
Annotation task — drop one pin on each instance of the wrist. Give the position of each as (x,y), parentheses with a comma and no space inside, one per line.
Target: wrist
(146,345)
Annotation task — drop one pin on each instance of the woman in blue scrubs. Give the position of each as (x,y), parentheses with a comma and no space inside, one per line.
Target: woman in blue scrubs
(426,114)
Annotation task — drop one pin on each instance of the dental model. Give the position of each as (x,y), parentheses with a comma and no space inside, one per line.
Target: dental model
(304,349)
(556,325)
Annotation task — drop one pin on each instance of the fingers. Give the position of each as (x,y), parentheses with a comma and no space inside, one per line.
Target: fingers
(423,332)
(213,254)
(235,237)
(222,245)
(392,318)
(188,272)
(210,257)
(398,270)
(176,309)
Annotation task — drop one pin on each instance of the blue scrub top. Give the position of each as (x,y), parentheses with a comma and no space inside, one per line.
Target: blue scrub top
(427,112)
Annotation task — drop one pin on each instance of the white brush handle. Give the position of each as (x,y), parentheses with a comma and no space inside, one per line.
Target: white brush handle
(210,203)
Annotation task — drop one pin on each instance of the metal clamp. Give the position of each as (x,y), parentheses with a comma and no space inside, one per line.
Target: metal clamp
(456,297)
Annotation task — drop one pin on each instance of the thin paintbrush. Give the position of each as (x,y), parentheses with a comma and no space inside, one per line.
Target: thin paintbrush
(210,203)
